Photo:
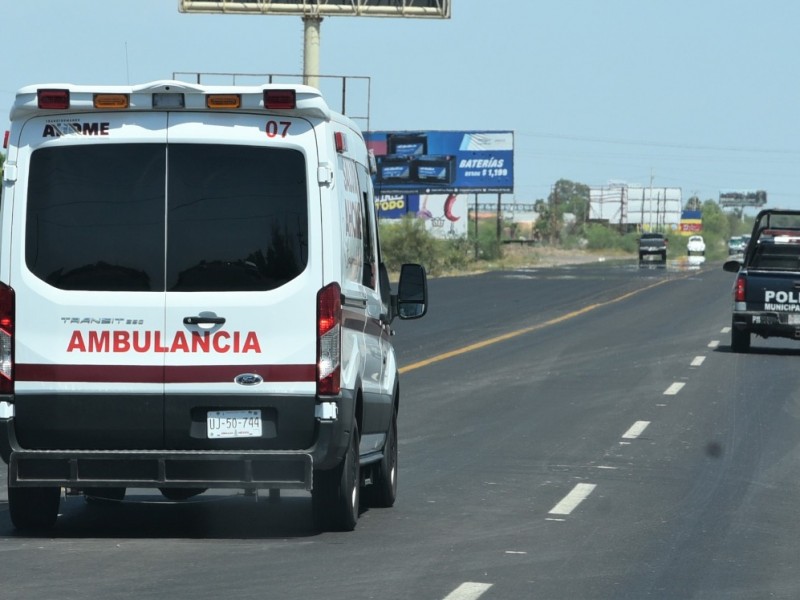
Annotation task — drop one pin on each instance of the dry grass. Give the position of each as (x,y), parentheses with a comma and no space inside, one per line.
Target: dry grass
(521,257)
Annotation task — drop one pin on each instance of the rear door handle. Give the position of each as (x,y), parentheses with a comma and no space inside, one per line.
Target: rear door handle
(203,320)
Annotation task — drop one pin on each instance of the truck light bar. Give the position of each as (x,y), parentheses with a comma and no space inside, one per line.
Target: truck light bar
(289,99)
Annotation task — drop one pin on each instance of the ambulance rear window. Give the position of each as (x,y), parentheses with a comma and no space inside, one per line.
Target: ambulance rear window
(114,217)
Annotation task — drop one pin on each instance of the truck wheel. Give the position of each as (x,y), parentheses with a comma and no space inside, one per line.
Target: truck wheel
(335,497)
(383,491)
(178,494)
(740,340)
(33,508)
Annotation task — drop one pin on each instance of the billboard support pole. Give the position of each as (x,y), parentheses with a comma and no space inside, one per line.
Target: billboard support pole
(476,226)
(311,36)
(499,218)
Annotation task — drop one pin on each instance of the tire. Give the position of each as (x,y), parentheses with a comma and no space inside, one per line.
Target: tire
(110,494)
(33,508)
(383,491)
(179,494)
(336,494)
(740,340)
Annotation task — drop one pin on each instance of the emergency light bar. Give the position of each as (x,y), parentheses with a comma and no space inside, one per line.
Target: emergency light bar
(294,99)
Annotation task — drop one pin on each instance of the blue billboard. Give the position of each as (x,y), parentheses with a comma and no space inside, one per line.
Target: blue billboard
(436,162)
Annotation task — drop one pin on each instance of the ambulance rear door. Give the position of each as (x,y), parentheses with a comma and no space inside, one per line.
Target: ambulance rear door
(243,231)
(87,267)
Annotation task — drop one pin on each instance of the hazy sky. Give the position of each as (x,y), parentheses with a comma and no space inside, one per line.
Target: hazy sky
(698,94)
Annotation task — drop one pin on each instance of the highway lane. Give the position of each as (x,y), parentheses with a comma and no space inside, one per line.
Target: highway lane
(552,464)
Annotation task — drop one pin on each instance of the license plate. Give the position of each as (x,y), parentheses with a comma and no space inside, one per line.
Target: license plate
(793,319)
(234,423)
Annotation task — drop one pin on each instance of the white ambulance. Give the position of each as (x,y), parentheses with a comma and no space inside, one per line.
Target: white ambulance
(191,297)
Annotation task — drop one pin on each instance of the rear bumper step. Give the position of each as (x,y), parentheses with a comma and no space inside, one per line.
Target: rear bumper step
(159,468)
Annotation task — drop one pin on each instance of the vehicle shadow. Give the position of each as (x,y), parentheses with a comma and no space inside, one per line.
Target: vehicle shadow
(765,350)
(208,516)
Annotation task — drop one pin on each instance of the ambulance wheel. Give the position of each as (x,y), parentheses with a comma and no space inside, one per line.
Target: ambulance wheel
(178,494)
(335,496)
(383,491)
(740,340)
(109,494)
(33,508)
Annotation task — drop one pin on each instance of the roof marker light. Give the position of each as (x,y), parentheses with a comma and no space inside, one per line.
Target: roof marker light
(53,99)
(223,101)
(111,101)
(280,99)
(167,101)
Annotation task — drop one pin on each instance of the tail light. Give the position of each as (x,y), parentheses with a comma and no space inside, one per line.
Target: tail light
(53,99)
(739,290)
(329,340)
(280,99)
(6,339)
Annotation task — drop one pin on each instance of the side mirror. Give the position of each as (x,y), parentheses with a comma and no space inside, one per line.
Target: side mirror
(412,292)
(732,266)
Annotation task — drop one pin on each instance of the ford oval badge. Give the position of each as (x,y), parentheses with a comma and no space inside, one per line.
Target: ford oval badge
(249,379)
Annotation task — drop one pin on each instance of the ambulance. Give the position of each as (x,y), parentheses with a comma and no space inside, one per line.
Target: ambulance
(192,296)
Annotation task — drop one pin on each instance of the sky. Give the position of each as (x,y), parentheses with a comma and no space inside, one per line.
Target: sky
(703,95)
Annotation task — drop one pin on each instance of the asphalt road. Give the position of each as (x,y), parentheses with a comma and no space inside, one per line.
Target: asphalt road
(580,432)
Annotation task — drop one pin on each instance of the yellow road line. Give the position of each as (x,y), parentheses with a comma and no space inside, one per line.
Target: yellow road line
(523,331)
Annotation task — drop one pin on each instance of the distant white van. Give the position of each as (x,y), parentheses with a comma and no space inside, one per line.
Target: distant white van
(192,296)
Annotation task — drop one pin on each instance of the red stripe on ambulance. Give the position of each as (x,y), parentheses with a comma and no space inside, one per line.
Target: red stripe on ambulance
(160,374)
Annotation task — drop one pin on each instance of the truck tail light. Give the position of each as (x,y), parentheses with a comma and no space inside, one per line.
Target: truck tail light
(329,340)
(740,290)
(280,99)
(6,339)
(54,99)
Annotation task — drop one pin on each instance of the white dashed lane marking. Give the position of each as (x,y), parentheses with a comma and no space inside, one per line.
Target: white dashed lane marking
(713,344)
(468,590)
(636,430)
(571,501)
(698,360)
(674,388)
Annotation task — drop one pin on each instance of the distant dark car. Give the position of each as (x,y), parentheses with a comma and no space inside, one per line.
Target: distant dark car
(652,248)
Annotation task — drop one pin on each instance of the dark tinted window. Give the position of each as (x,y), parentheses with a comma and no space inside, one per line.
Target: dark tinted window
(95,217)
(238,217)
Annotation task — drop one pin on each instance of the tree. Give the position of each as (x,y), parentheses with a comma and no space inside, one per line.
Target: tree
(715,222)
(566,197)
(694,204)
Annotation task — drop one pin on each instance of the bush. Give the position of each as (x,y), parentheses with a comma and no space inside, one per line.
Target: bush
(407,241)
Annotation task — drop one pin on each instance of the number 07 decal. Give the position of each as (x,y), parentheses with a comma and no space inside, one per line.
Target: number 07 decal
(277,128)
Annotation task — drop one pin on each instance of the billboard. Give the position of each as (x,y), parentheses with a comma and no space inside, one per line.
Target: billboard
(436,9)
(757,198)
(444,215)
(691,222)
(442,162)
(647,207)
